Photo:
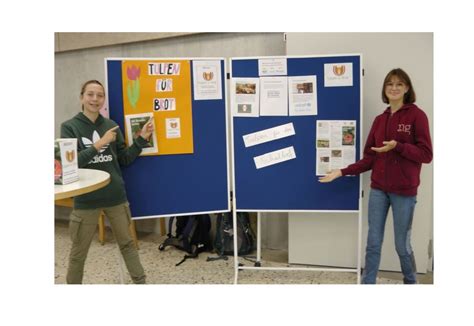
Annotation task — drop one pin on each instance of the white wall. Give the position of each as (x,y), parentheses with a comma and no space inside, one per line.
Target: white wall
(331,239)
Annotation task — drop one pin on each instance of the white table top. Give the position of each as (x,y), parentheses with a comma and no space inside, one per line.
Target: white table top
(89,180)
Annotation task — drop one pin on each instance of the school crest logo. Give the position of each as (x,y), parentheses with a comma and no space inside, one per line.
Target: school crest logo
(339,70)
(338,74)
(208,76)
(70,155)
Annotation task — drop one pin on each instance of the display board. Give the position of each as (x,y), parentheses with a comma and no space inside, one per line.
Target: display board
(185,170)
(280,174)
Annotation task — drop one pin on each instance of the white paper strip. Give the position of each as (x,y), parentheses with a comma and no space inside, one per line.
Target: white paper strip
(275,157)
(270,134)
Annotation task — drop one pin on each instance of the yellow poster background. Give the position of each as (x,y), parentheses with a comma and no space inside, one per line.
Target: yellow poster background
(140,91)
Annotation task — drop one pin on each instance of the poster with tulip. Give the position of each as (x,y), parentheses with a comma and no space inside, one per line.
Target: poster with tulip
(163,89)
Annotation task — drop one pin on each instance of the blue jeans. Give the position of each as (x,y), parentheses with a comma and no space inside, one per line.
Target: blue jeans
(402,208)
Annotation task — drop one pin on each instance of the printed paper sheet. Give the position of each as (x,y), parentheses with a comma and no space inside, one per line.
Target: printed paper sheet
(335,145)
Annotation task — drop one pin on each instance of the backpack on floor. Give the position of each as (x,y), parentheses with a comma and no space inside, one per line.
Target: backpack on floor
(224,240)
(192,235)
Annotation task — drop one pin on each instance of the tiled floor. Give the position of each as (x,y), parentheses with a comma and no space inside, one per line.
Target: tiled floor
(104,266)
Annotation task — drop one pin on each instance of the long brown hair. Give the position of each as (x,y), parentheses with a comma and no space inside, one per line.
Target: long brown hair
(410,96)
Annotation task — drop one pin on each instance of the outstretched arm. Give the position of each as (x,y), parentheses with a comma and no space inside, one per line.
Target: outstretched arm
(332,175)
(127,155)
(109,136)
(388,146)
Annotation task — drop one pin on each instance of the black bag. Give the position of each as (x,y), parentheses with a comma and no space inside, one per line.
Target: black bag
(224,240)
(192,235)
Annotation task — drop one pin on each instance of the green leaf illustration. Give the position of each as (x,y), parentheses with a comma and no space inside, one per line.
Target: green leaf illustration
(129,94)
(133,92)
(137,89)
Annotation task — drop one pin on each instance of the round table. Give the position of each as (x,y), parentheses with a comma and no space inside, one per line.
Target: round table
(89,180)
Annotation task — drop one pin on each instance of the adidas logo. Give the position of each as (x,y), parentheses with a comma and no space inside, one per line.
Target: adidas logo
(95,138)
(98,158)
(101,158)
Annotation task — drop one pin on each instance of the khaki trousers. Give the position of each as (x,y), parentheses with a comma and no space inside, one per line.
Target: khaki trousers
(82,227)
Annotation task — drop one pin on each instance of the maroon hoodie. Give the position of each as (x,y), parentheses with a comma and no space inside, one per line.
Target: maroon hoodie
(396,171)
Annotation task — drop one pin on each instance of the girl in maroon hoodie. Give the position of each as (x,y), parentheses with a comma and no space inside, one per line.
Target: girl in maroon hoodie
(398,143)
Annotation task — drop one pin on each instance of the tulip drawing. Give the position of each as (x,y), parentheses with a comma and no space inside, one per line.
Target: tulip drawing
(133,85)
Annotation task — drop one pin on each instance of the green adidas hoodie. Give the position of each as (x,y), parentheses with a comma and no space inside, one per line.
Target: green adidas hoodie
(108,159)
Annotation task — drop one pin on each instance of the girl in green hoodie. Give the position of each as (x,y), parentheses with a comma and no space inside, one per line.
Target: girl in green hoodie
(101,146)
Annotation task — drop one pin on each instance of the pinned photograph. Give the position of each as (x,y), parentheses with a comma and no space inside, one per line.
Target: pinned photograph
(244,108)
(348,135)
(246,88)
(303,88)
(134,126)
(323,143)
